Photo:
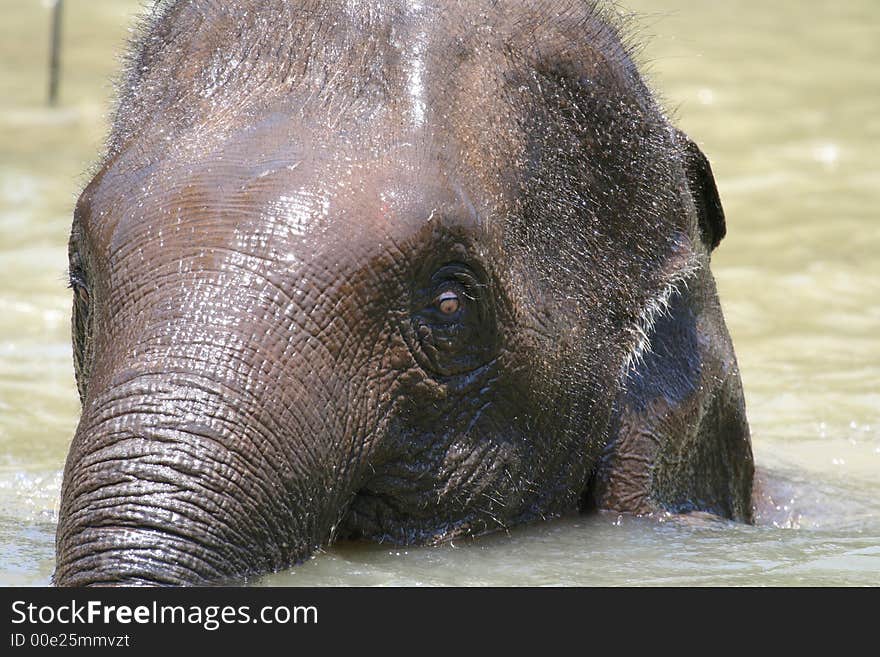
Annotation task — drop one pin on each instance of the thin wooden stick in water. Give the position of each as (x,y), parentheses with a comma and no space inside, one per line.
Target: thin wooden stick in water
(55,52)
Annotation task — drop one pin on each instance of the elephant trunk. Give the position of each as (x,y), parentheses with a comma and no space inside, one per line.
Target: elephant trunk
(173,478)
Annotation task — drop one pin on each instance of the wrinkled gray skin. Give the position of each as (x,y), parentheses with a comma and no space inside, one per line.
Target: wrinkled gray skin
(396,271)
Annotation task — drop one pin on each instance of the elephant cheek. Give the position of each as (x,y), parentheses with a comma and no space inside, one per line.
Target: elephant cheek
(171,483)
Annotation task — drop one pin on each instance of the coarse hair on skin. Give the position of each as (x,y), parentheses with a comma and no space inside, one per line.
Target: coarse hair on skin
(149,14)
(164,24)
(642,331)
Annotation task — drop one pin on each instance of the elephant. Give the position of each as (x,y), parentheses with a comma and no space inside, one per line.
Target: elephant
(397,271)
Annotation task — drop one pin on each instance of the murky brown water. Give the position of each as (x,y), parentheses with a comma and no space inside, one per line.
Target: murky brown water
(784,97)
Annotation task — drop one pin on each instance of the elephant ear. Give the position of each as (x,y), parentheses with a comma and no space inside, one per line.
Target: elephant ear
(703,191)
(678,438)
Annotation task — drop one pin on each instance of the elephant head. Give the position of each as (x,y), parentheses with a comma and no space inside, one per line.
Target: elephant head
(383,270)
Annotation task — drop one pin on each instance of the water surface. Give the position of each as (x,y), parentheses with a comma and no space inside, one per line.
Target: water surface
(784,98)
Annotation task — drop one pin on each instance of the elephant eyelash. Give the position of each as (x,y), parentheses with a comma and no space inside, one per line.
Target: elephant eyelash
(75,279)
(470,286)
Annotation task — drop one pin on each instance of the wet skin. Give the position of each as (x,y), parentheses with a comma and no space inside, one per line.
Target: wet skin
(401,272)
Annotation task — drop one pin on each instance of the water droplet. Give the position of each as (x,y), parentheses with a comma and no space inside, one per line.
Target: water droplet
(706,96)
(827,154)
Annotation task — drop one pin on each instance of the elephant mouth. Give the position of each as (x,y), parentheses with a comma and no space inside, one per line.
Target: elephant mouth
(416,501)
(382,519)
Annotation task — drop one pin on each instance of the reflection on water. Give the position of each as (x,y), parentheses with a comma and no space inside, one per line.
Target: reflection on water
(783,99)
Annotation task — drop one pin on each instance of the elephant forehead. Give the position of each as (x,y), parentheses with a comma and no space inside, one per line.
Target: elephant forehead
(466,77)
(289,206)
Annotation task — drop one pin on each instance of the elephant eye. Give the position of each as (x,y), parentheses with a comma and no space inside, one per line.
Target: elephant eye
(82,324)
(82,294)
(448,302)
(453,321)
